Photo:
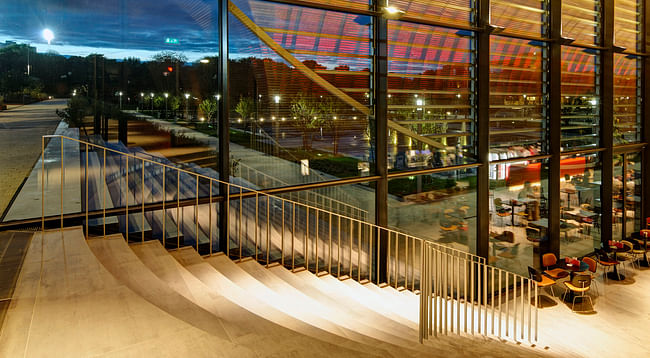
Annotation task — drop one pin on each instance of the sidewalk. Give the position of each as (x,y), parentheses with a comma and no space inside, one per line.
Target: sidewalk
(21,128)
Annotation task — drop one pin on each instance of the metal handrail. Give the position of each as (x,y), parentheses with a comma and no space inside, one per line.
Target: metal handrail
(296,235)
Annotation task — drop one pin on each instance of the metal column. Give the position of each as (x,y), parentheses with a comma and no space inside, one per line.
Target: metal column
(224,125)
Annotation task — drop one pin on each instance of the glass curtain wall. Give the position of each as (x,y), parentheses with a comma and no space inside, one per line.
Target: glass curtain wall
(626,196)
(580,182)
(580,99)
(430,97)
(517,98)
(627,99)
(519,213)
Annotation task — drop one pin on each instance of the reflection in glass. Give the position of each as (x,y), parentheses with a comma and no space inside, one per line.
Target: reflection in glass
(439,207)
(580,98)
(299,83)
(519,214)
(524,17)
(627,99)
(627,24)
(430,94)
(580,181)
(581,21)
(517,111)
(626,195)
(446,11)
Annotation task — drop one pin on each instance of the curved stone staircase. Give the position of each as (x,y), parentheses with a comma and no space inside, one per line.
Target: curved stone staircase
(103,297)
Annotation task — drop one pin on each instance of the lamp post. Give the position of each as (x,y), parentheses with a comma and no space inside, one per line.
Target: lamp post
(166,96)
(141,99)
(120,93)
(151,96)
(187,100)
(216,119)
(276,99)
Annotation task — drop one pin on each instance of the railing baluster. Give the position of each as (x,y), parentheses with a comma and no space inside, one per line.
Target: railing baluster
(62,185)
(268,230)
(523,307)
(226,214)
(458,295)
(43,187)
(241,223)
(305,247)
(126,199)
(500,311)
(329,255)
(210,219)
(86,180)
(396,260)
(406,262)
(282,239)
(536,309)
(103,198)
(493,295)
(472,286)
(529,311)
(350,235)
(164,211)
(507,305)
(317,239)
(257,223)
(142,200)
(293,237)
(338,254)
(359,252)
(178,205)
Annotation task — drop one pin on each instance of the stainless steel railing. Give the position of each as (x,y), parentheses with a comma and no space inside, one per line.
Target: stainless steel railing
(323,201)
(156,196)
(460,296)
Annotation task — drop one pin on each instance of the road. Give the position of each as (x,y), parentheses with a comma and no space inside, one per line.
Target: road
(21,129)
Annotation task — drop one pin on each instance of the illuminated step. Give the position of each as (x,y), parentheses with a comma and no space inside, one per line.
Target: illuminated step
(66,304)
(261,307)
(244,327)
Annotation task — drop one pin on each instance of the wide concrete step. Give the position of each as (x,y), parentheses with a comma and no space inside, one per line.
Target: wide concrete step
(66,304)
(262,306)
(259,281)
(243,326)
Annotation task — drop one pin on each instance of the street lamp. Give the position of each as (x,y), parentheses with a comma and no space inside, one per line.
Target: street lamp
(166,96)
(187,98)
(142,99)
(151,94)
(120,93)
(48,35)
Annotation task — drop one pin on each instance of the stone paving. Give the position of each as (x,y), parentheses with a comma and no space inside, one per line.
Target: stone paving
(21,128)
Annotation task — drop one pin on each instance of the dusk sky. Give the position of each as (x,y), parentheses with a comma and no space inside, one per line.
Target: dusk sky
(117,28)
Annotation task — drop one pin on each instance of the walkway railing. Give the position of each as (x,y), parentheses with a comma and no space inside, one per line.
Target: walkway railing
(145,199)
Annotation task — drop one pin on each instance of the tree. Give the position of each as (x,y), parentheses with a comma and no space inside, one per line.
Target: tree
(245,108)
(306,118)
(209,107)
(329,108)
(78,107)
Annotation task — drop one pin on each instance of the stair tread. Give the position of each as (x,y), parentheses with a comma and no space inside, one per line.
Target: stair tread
(254,277)
(242,325)
(75,307)
(219,282)
(330,292)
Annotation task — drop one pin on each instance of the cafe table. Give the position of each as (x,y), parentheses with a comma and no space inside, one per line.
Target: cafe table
(615,275)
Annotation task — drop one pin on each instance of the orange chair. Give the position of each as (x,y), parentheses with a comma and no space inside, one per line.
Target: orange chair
(593,267)
(549,260)
(579,284)
(542,281)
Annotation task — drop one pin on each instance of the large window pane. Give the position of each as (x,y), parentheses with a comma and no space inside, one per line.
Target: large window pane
(626,195)
(627,99)
(136,72)
(581,20)
(447,11)
(580,181)
(439,207)
(519,214)
(580,98)
(517,111)
(299,82)
(525,17)
(430,96)
(627,24)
